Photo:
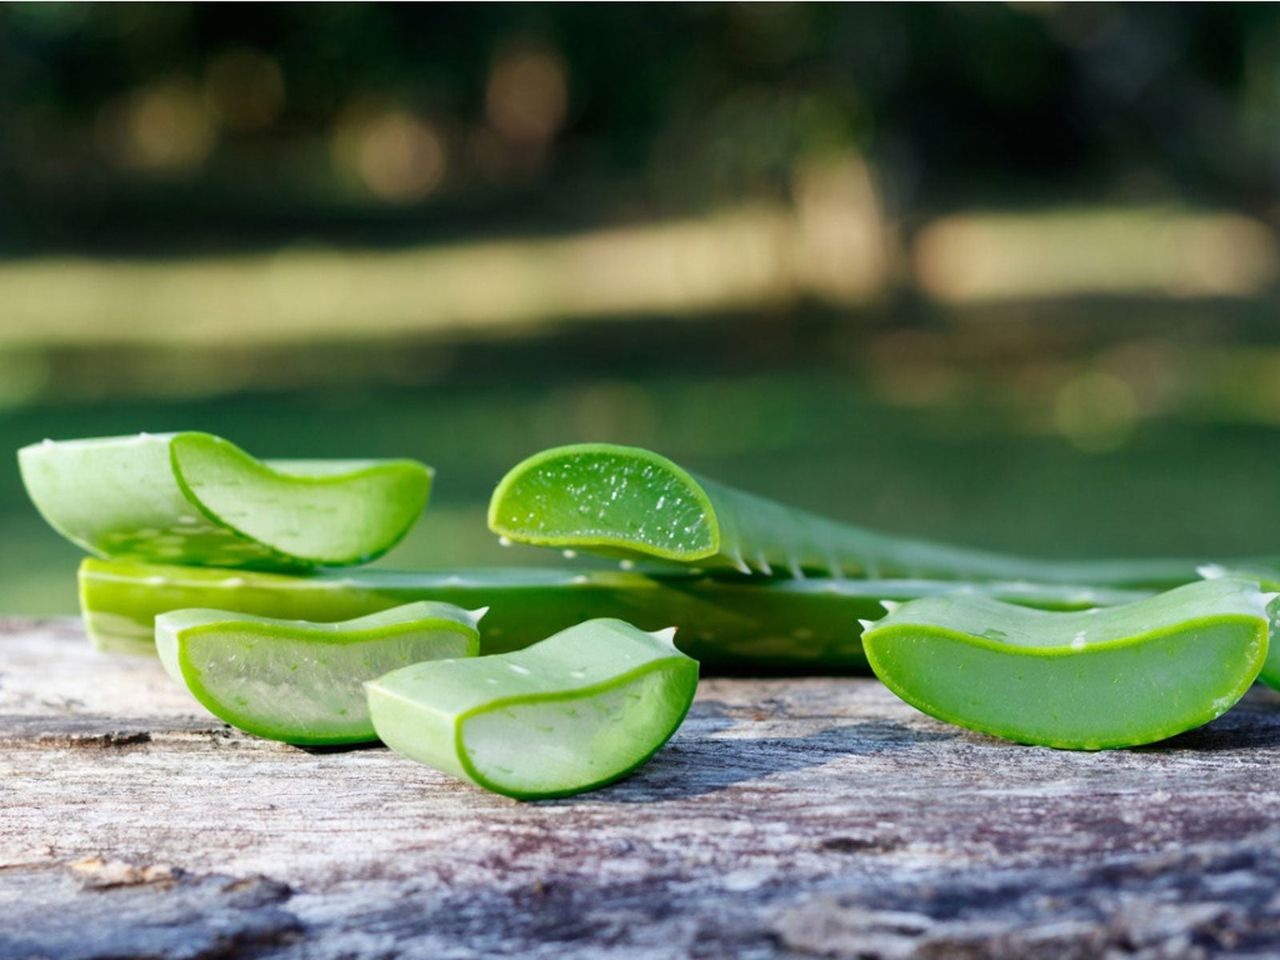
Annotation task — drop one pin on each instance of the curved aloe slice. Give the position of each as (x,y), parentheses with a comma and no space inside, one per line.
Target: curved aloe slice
(303,682)
(731,624)
(1107,678)
(195,498)
(628,502)
(572,713)
(1269,578)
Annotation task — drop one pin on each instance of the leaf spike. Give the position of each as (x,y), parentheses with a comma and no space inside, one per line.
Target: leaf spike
(665,635)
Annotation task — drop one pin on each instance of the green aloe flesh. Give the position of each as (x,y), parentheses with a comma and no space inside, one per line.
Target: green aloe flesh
(572,713)
(631,503)
(730,624)
(303,682)
(193,498)
(1117,677)
(1269,578)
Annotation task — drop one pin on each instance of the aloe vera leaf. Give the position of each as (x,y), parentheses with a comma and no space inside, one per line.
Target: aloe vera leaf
(303,682)
(630,503)
(572,713)
(1270,672)
(195,498)
(1116,677)
(732,624)
(1269,579)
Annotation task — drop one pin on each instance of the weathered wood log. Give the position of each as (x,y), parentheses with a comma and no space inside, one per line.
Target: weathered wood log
(810,817)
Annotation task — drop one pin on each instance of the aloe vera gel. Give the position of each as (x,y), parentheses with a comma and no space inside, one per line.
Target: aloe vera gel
(193,498)
(303,682)
(1117,677)
(572,713)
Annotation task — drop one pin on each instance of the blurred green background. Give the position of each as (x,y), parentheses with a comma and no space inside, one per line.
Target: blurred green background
(1000,274)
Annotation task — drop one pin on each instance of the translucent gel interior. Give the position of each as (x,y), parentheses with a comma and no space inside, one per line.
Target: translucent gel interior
(604,496)
(303,688)
(555,745)
(333,518)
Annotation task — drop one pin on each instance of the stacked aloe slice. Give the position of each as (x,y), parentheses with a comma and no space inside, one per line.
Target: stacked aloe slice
(236,571)
(228,567)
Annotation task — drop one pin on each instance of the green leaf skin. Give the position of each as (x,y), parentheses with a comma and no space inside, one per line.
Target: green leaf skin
(628,502)
(303,682)
(731,625)
(572,713)
(1115,677)
(1269,578)
(193,498)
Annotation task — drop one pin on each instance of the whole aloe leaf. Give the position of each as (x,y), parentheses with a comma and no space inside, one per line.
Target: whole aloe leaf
(730,624)
(632,503)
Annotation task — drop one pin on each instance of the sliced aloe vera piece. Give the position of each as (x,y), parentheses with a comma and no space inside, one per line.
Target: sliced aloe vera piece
(731,625)
(1115,677)
(569,714)
(1269,578)
(630,503)
(193,498)
(303,682)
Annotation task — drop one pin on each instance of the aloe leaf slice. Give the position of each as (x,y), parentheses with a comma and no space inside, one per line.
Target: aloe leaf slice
(1269,578)
(302,682)
(730,624)
(1117,677)
(632,503)
(193,498)
(572,713)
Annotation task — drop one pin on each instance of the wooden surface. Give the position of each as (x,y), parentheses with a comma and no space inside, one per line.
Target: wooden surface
(788,818)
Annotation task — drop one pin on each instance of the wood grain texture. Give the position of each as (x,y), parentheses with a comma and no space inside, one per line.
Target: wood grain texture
(788,818)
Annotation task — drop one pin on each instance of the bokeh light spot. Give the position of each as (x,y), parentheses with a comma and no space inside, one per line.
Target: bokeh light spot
(164,127)
(528,95)
(1096,411)
(399,157)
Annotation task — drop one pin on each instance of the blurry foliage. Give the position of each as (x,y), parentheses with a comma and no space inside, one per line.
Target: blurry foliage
(150,127)
(1001,273)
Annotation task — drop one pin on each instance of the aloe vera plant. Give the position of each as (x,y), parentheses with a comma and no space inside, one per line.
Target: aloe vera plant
(303,682)
(631,503)
(731,624)
(193,498)
(572,713)
(1117,677)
